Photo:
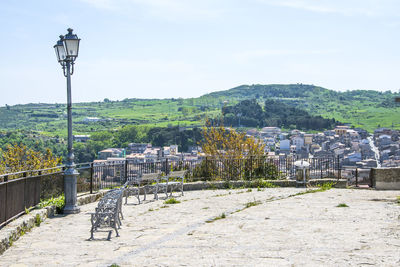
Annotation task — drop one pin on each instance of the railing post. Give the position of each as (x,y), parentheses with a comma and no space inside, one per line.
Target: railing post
(6,178)
(320,165)
(166,166)
(251,167)
(206,167)
(338,166)
(126,170)
(356,177)
(91,178)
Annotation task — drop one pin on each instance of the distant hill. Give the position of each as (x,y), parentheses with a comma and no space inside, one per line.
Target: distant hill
(367,109)
(362,108)
(249,113)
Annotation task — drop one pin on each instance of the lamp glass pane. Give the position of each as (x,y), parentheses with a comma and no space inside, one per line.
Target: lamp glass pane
(56,50)
(60,52)
(72,47)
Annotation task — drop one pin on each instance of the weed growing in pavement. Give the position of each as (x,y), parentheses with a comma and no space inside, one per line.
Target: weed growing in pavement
(38,220)
(252,203)
(59,202)
(221,195)
(342,205)
(222,216)
(322,188)
(171,201)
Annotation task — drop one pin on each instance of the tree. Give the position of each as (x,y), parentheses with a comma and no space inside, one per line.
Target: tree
(126,135)
(18,158)
(231,149)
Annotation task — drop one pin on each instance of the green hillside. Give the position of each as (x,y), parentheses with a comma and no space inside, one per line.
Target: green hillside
(366,109)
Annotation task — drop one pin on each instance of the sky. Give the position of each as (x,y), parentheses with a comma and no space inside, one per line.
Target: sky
(187,48)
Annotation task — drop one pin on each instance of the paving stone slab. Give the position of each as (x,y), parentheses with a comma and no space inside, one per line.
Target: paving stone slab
(283,228)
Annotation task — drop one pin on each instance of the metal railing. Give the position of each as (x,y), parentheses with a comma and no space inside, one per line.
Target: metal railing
(24,189)
(21,193)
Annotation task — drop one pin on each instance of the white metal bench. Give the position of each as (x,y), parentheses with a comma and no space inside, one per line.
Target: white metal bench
(108,212)
(150,183)
(147,181)
(132,188)
(173,181)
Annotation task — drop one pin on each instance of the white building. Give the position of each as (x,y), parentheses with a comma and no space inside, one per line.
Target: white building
(284,145)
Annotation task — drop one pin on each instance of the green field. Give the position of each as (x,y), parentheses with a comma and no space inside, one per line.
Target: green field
(365,109)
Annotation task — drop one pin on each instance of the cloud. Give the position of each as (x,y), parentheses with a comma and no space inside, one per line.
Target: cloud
(370,8)
(258,53)
(164,9)
(102,4)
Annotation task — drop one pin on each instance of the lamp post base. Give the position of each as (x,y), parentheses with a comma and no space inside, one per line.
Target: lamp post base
(71,210)
(70,191)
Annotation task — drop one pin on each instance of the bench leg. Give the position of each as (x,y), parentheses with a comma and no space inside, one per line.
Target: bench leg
(144,192)
(119,221)
(116,230)
(156,192)
(91,234)
(138,194)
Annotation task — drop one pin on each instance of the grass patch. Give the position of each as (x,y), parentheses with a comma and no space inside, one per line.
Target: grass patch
(228,185)
(151,209)
(163,207)
(342,205)
(59,202)
(260,183)
(221,195)
(38,220)
(28,210)
(205,208)
(171,201)
(322,188)
(398,200)
(222,216)
(252,204)
(249,190)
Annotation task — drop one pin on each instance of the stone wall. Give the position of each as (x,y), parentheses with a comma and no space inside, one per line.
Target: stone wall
(386,178)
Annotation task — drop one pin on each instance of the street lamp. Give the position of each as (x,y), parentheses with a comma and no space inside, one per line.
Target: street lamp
(67,49)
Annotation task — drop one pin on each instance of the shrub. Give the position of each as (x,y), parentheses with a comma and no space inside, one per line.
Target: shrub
(59,202)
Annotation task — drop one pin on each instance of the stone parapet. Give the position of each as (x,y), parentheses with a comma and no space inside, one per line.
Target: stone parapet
(385,178)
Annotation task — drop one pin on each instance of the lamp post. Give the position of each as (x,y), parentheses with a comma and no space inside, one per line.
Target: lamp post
(67,49)
(239,115)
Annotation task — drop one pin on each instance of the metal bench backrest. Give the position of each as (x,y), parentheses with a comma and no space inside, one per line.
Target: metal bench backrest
(148,177)
(177,174)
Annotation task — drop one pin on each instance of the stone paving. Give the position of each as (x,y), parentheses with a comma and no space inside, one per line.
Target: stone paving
(282,229)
